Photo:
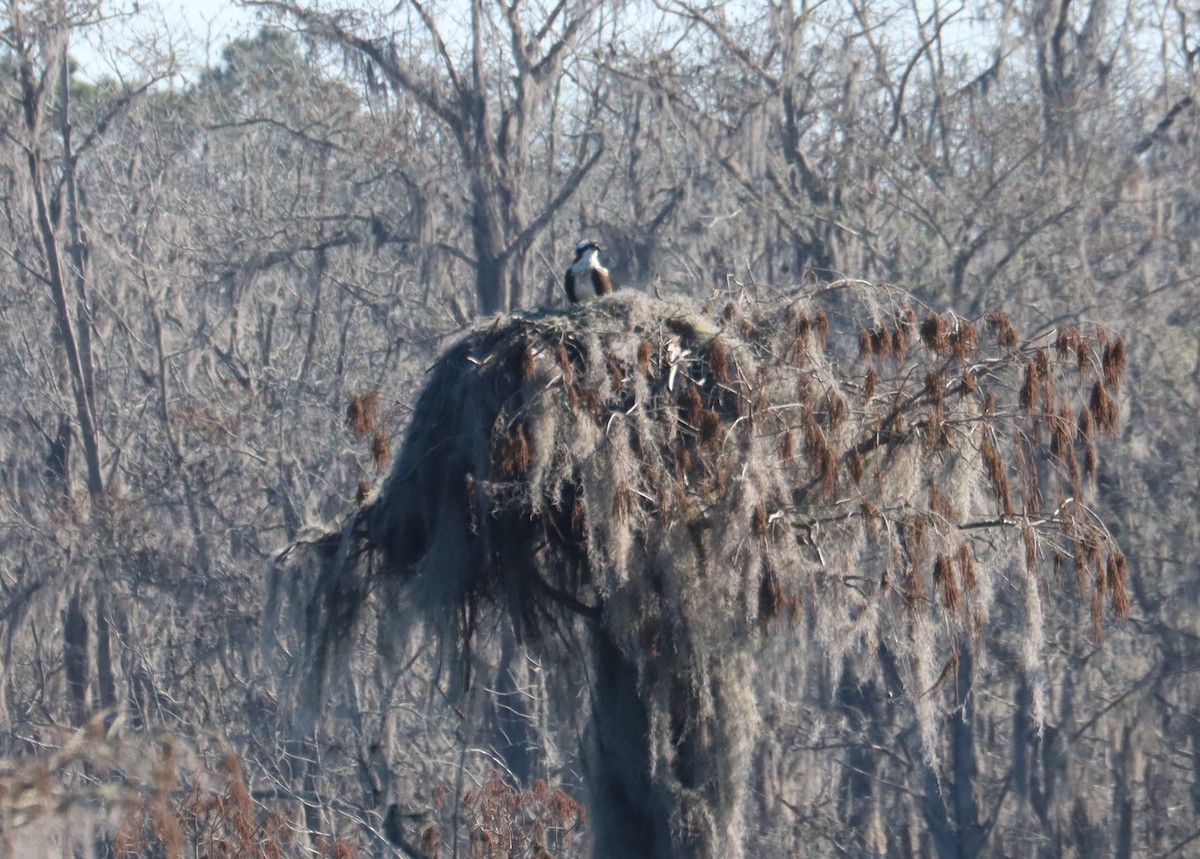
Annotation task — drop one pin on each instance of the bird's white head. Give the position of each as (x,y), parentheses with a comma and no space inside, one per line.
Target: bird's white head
(586,251)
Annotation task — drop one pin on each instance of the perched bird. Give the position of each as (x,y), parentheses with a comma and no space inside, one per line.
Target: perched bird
(586,278)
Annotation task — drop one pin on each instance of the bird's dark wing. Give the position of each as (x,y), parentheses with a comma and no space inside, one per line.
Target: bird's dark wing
(601,281)
(569,283)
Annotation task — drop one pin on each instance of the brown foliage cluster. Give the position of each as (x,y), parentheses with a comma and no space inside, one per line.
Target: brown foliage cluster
(537,822)
(364,420)
(218,821)
(142,796)
(362,412)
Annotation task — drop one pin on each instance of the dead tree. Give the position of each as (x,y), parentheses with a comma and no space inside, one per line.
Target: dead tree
(663,487)
(491,114)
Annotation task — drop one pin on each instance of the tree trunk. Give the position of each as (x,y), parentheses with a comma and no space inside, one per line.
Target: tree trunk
(629,816)
(491,291)
(76,345)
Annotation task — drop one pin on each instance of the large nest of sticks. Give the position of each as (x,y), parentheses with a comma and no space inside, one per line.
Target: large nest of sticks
(682,480)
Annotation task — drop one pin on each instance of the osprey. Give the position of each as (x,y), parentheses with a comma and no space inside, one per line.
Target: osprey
(586,278)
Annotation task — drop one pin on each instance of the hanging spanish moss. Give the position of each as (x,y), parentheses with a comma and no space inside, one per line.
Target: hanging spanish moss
(666,486)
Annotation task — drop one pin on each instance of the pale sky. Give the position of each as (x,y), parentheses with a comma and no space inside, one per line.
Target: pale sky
(197,30)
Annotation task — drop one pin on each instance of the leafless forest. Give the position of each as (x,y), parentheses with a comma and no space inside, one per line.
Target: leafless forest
(898,348)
